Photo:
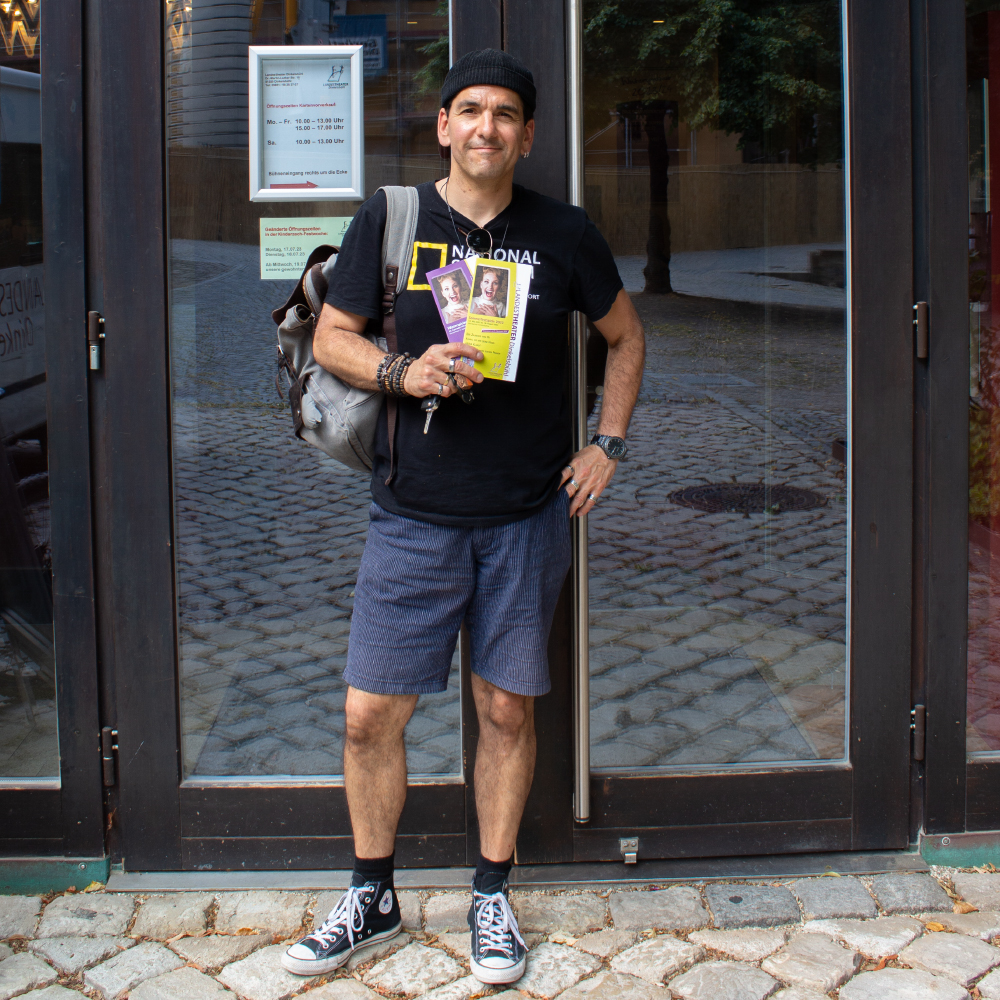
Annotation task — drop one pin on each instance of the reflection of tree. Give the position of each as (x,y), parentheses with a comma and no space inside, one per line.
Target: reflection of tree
(768,72)
(431,75)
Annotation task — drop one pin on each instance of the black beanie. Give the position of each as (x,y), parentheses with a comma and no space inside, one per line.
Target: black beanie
(491,68)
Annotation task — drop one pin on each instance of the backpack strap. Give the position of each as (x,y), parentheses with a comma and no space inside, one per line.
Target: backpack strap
(402,210)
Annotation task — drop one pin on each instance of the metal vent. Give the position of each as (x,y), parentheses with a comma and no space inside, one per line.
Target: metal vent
(746,498)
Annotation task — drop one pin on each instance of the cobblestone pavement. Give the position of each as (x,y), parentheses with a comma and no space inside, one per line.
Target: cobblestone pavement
(903,936)
(717,638)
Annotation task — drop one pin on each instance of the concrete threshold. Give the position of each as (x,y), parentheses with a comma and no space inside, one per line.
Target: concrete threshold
(767,868)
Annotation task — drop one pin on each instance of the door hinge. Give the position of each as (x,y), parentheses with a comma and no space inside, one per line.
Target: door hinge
(109,748)
(918,726)
(95,339)
(922,329)
(629,847)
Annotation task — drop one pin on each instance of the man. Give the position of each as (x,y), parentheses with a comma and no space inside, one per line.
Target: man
(468,521)
(489,302)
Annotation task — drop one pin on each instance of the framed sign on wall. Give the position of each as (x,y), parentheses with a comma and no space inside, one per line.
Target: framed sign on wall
(307,123)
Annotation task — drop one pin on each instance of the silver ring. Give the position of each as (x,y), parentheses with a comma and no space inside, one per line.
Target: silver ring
(592,498)
(440,388)
(451,365)
(574,484)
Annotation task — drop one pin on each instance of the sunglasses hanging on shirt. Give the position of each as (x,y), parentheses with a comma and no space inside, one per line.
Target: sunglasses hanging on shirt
(479,240)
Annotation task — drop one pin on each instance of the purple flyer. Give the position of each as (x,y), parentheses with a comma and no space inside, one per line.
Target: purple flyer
(450,286)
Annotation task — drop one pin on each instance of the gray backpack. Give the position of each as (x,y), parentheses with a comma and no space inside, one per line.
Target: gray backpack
(327,413)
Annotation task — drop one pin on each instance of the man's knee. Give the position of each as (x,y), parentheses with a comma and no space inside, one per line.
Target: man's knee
(508,713)
(376,718)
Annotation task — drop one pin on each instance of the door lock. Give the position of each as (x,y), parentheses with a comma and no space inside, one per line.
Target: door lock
(629,847)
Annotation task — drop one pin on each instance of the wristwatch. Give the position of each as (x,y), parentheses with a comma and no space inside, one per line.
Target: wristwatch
(611,446)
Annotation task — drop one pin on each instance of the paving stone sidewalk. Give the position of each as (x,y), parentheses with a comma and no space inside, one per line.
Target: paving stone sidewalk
(905,936)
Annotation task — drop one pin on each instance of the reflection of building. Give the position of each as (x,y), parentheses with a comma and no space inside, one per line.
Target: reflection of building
(207,72)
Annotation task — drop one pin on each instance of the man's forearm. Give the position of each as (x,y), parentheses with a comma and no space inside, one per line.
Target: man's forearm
(350,356)
(622,380)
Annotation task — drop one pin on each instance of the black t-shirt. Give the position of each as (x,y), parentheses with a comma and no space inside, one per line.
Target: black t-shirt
(499,458)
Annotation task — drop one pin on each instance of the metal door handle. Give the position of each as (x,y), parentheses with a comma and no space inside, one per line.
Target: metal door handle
(578,346)
(581,589)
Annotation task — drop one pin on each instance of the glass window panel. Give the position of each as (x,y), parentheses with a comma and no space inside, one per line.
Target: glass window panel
(29,741)
(269,531)
(983,102)
(714,162)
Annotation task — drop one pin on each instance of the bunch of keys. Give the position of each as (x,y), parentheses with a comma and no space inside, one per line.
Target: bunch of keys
(431,403)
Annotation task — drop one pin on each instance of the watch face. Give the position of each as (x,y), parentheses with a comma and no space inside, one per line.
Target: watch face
(614,447)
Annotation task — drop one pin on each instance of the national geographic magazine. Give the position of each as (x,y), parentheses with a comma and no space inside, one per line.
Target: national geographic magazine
(495,323)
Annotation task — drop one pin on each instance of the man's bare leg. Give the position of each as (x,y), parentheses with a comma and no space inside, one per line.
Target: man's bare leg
(505,765)
(375,767)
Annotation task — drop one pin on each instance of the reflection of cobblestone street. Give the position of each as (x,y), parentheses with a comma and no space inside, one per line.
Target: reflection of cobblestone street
(716,638)
(268,549)
(269,533)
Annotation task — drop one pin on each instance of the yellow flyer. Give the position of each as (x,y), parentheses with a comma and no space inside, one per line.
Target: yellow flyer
(495,323)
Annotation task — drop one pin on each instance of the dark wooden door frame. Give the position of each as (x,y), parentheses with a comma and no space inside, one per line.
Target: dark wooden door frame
(66,819)
(941,448)
(864,805)
(158,821)
(861,807)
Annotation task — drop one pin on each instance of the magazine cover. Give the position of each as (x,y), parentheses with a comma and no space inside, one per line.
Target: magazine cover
(451,286)
(495,321)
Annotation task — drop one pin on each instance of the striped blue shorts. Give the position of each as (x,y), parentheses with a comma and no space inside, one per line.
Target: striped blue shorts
(417,581)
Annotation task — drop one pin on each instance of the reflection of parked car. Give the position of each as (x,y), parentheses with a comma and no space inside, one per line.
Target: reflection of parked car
(25,574)
(22,329)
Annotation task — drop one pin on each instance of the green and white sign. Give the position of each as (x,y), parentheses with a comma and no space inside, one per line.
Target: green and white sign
(285,244)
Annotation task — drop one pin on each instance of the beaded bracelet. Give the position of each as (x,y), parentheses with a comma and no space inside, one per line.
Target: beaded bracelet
(398,375)
(391,373)
(382,372)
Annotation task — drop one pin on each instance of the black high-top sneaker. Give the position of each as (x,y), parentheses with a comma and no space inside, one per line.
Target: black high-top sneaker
(499,953)
(365,914)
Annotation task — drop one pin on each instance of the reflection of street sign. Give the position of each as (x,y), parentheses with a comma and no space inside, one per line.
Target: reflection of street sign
(368,30)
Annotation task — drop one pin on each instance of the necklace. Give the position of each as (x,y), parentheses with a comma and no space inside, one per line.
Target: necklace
(475,239)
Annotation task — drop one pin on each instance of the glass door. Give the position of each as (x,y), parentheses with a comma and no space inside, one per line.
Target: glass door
(268,531)
(716,165)
(50,786)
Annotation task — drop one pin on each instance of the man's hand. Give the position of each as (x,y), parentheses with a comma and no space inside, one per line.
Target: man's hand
(428,375)
(588,473)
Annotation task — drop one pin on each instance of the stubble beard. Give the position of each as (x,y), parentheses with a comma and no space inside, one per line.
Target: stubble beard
(478,170)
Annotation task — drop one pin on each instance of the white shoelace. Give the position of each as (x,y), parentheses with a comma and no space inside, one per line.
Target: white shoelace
(347,917)
(496,922)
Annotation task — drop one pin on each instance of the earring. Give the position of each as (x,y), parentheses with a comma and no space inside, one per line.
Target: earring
(524,156)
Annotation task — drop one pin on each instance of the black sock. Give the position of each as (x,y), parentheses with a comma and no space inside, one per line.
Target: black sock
(373,869)
(490,875)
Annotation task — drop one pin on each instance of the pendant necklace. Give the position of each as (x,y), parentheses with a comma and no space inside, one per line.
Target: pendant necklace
(475,239)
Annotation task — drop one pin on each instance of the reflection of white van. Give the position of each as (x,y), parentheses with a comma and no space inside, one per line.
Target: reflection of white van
(22,309)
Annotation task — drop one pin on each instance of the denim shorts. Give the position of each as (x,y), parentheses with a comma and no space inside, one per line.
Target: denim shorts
(417,581)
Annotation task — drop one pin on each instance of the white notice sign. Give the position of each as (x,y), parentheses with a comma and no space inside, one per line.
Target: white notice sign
(306,127)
